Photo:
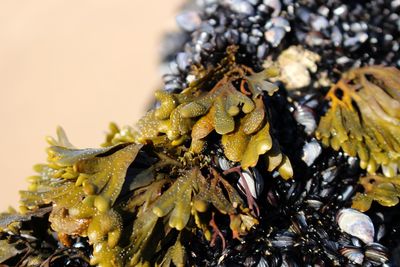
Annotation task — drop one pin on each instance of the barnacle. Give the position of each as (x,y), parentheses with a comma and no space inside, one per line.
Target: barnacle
(364,118)
(384,190)
(296,64)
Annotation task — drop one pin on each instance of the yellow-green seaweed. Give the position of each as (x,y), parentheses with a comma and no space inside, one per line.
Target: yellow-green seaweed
(238,116)
(384,190)
(364,118)
(127,211)
(83,208)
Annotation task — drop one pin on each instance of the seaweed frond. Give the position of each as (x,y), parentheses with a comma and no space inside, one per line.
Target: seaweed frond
(185,206)
(139,198)
(384,190)
(364,118)
(82,186)
(227,100)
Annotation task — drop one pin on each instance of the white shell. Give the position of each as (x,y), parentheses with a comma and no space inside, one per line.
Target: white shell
(274,35)
(241,6)
(254,181)
(356,224)
(183,60)
(224,163)
(319,23)
(305,116)
(188,20)
(311,152)
(250,183)
(278,22)
(262,263)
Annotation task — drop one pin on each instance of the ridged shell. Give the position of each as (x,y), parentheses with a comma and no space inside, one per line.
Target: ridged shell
(311,152)
(354,254)
(254,181)
(262,263)
(305,116)
(376,253)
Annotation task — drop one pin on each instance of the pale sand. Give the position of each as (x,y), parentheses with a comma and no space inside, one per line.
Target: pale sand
(78,64)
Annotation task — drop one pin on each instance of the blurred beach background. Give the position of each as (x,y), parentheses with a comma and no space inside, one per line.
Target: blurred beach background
(76,64)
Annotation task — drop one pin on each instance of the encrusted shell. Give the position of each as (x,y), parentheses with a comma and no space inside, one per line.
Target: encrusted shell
(356,224)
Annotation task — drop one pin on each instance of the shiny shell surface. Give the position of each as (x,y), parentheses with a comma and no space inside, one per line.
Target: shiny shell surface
(356,224)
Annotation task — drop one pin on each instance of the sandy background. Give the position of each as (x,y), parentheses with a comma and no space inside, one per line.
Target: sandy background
(78,64)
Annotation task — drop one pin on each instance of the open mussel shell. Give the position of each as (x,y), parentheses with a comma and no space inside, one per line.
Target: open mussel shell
(262,263)
(299,223)
(376,253)
(354,254)
(254,181)
(284,240)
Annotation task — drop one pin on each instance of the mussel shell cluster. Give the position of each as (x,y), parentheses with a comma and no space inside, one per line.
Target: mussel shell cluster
(343,35)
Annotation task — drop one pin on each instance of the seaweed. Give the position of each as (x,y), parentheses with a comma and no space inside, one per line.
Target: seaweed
(230,103)
(364,118)
(139,198)
(384,190)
